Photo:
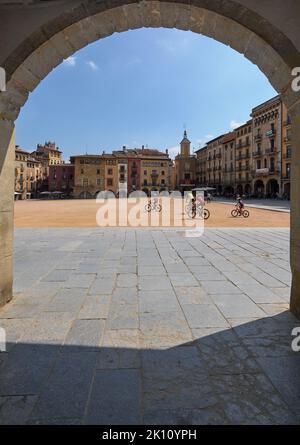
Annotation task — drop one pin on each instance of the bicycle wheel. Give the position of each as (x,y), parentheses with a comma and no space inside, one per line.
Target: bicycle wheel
(234,213)
(192,213)
(206,213)
(148,207)
(246,214)
(187,208)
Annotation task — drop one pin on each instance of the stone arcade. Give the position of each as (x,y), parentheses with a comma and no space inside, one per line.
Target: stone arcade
(36,37)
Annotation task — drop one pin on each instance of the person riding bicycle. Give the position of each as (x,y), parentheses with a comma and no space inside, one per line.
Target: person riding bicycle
(200,200)
(240,204)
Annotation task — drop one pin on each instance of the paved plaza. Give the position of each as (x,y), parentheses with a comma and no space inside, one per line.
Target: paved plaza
(116,326)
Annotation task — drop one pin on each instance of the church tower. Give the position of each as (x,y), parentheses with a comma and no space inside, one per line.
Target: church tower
(185,146)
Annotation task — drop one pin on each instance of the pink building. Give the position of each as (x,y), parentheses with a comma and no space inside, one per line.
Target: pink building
(61,178)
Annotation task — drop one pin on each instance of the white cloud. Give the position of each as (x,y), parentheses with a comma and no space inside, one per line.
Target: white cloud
(92,65)
(234,124)
(70,61)
(202,141)
(173,151)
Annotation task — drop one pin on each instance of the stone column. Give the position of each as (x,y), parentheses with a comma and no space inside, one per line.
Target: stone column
(7,171)
(295,211)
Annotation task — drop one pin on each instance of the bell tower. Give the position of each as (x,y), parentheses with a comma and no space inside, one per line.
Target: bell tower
(185,146)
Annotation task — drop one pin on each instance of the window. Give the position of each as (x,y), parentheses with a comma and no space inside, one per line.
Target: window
(258,164)
(110,171)
(98,181)
(109,182)
(163,173)
(145,172)
(81,171)
(265,163)
(98,171)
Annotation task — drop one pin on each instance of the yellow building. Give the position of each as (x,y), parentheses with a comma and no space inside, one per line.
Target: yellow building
(88,175)
(267,141)
(48,153)
(243,150)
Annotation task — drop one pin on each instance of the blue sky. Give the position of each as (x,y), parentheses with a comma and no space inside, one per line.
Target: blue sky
(142,87)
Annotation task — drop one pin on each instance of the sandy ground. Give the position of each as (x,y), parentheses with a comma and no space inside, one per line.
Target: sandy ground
(82,213)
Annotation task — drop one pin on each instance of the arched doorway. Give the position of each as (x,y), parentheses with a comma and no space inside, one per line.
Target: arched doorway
(47,40)
(239,189)
(85,195)
(229,191)
(272,188)
(248,189)
(259,188)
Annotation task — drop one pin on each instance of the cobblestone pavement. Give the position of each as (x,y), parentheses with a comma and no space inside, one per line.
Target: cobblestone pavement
(138,326)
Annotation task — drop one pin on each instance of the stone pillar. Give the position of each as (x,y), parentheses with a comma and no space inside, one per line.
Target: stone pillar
(295,212)
(7,171)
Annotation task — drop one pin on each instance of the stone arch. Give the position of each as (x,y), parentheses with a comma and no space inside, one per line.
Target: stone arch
(240,189)
(248,189)
(259,187)
(272,187)
(59,42)
(228,22)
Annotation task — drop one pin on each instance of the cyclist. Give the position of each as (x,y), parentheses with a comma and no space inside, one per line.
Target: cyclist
(240,204)
(200,200)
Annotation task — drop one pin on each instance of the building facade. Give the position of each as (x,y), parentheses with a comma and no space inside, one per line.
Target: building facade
(254,159)
(122,172)
(61,179)
(31,177)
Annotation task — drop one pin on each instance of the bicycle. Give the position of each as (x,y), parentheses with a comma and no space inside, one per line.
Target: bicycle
(156,207)
(200,211)
(238,211)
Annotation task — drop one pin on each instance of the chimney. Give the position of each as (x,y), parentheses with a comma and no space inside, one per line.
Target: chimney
(143,146)
(167,152)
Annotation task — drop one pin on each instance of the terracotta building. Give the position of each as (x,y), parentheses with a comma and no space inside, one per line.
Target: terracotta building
(61,178)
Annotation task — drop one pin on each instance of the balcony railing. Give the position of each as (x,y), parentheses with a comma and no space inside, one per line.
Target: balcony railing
(258,137)
(255,154)
(287,123)
(242,156)
(271,151)
(287,138)
(286,177)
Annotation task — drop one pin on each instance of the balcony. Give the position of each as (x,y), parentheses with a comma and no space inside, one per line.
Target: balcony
(243,144)
(288,138)
(271,151)
(271,133)
(286,177)
(243,156)
(287,123)
(256,154)
(243,168)
(257,137)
